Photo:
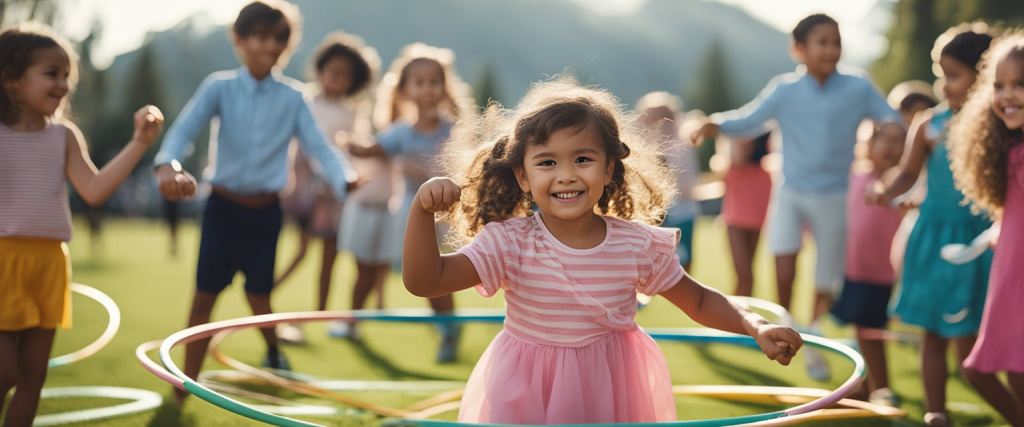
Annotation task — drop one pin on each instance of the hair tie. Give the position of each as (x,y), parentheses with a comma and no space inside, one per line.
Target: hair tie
(625,148)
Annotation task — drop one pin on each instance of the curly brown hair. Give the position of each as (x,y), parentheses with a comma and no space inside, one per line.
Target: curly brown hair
(980,140)
(390,104)
(482,161)
(18,45)
(364,59)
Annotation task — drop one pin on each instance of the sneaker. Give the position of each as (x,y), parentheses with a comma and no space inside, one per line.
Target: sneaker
(936,419)
(817,366)
(884,397)
(449,345)
(281,362)
(343,329)
(290,334)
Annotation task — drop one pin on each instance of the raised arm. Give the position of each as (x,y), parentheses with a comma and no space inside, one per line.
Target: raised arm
(911,165)
(95,185)
(711,308)
(173,182)
(425,271)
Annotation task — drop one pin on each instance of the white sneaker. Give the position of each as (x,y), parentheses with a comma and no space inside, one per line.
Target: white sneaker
(817,366)
(290,334)
(343,329)
(884,397)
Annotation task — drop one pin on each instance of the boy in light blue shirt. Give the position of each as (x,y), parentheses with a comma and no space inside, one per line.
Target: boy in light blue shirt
(818,110)
(260,111)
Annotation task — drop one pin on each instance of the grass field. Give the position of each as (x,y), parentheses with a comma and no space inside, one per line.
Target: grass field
(153,291)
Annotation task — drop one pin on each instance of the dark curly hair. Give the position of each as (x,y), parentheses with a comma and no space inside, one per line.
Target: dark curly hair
(351,48)
(18,45)
(980,140)
(483,161)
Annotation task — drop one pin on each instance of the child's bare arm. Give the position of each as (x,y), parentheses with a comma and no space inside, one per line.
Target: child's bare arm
(711,308)
(425,272)
(911,165)
(95,185)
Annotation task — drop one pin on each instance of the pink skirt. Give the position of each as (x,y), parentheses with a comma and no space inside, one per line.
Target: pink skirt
(620,378)
(748,191)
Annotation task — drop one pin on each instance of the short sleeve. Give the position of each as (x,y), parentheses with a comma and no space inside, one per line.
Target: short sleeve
(390,140)
(665,269)
(490,252)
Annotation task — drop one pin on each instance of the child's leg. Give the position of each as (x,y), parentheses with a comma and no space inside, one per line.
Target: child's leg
(987,385)
(874,356)
(933,372)
(33,357)
(1016,380)
(326,271)
(378,285)
(743,244)
(368,275)
(8,364)
(443,303)
(827,217)
(260,304)
(785,236)
(195,351)
(304,239)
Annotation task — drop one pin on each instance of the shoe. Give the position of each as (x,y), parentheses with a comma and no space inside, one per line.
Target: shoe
(343,329)
(817,366)
(936,419)
(290,334)
(449,344)
(281,362)
(884,397)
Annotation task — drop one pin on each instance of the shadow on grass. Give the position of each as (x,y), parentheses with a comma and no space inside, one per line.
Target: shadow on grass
(735,372)
(392,371)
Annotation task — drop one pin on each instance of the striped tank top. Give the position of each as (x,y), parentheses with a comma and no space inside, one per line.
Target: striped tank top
(559,296)
(33,193)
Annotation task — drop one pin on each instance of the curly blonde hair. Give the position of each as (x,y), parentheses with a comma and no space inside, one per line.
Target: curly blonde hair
(482,160)
(980,140)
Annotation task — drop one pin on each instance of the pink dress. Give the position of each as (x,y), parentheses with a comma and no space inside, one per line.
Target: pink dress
(748,190)
(1000,345)
(571,352)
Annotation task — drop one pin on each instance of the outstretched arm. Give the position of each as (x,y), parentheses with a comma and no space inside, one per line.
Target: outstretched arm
(911,165)
(711,308)
(95,185)
(425,272)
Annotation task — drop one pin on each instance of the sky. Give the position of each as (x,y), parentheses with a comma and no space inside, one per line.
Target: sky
(126,22)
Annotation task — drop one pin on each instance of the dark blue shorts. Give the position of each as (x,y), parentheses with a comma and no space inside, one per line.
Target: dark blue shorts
(236,238)
(863,304)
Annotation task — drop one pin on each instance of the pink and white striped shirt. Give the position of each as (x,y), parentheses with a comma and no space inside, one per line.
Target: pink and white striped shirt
(560,296)
(33,193)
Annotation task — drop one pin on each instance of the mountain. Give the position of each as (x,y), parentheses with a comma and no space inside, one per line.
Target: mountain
(657,48)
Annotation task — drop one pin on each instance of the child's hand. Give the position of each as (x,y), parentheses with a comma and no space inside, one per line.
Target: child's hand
(876,196)
(147,124)
(997,228)
(779,343)
(707,130)
(438,194)
(174,183)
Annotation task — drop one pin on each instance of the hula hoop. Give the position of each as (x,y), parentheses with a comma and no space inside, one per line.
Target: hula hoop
(203,331)
(142,400)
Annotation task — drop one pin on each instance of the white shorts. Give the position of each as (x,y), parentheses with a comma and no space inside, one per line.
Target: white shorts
(370,233)
(825,214)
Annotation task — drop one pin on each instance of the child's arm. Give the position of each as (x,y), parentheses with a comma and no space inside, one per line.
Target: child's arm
(910,166)
(95,186)
(373,150)
(711,308)
(426,273)
(334,166)
(173,182)
(749,120)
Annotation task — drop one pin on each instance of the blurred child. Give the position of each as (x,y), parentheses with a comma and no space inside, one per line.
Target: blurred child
(988,164)
(658,114)
(944,299)
(570,352)
(818,110)
(419,104)
(343,69)
(748,188)
(864,300)
(260,111)
(39,151)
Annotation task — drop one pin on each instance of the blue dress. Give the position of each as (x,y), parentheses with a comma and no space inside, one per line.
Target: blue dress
(936,295)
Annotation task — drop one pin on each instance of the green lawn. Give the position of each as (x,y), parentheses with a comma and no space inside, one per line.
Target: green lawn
(153,291)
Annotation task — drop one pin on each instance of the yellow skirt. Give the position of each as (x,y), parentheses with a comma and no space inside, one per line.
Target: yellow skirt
(35,284)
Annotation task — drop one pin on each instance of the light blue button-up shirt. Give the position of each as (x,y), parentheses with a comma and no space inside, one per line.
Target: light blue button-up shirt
(818,125)
(258,119)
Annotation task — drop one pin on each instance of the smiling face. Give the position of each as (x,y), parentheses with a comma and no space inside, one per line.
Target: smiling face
(886,146)
(1008,91)
(262,49)
(43,86)
(566,175)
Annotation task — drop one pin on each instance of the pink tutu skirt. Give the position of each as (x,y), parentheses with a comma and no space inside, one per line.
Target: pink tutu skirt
(620,378)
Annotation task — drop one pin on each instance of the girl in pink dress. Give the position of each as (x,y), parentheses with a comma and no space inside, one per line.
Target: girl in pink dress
(570,351)
(748,189)
(988,165)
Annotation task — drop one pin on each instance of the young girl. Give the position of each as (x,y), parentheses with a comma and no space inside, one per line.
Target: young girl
(659,112)
(988,164)
(570,351)
(420,101)
(864,300)
(944,299)
(748,189)
(39,150)
(344,69)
